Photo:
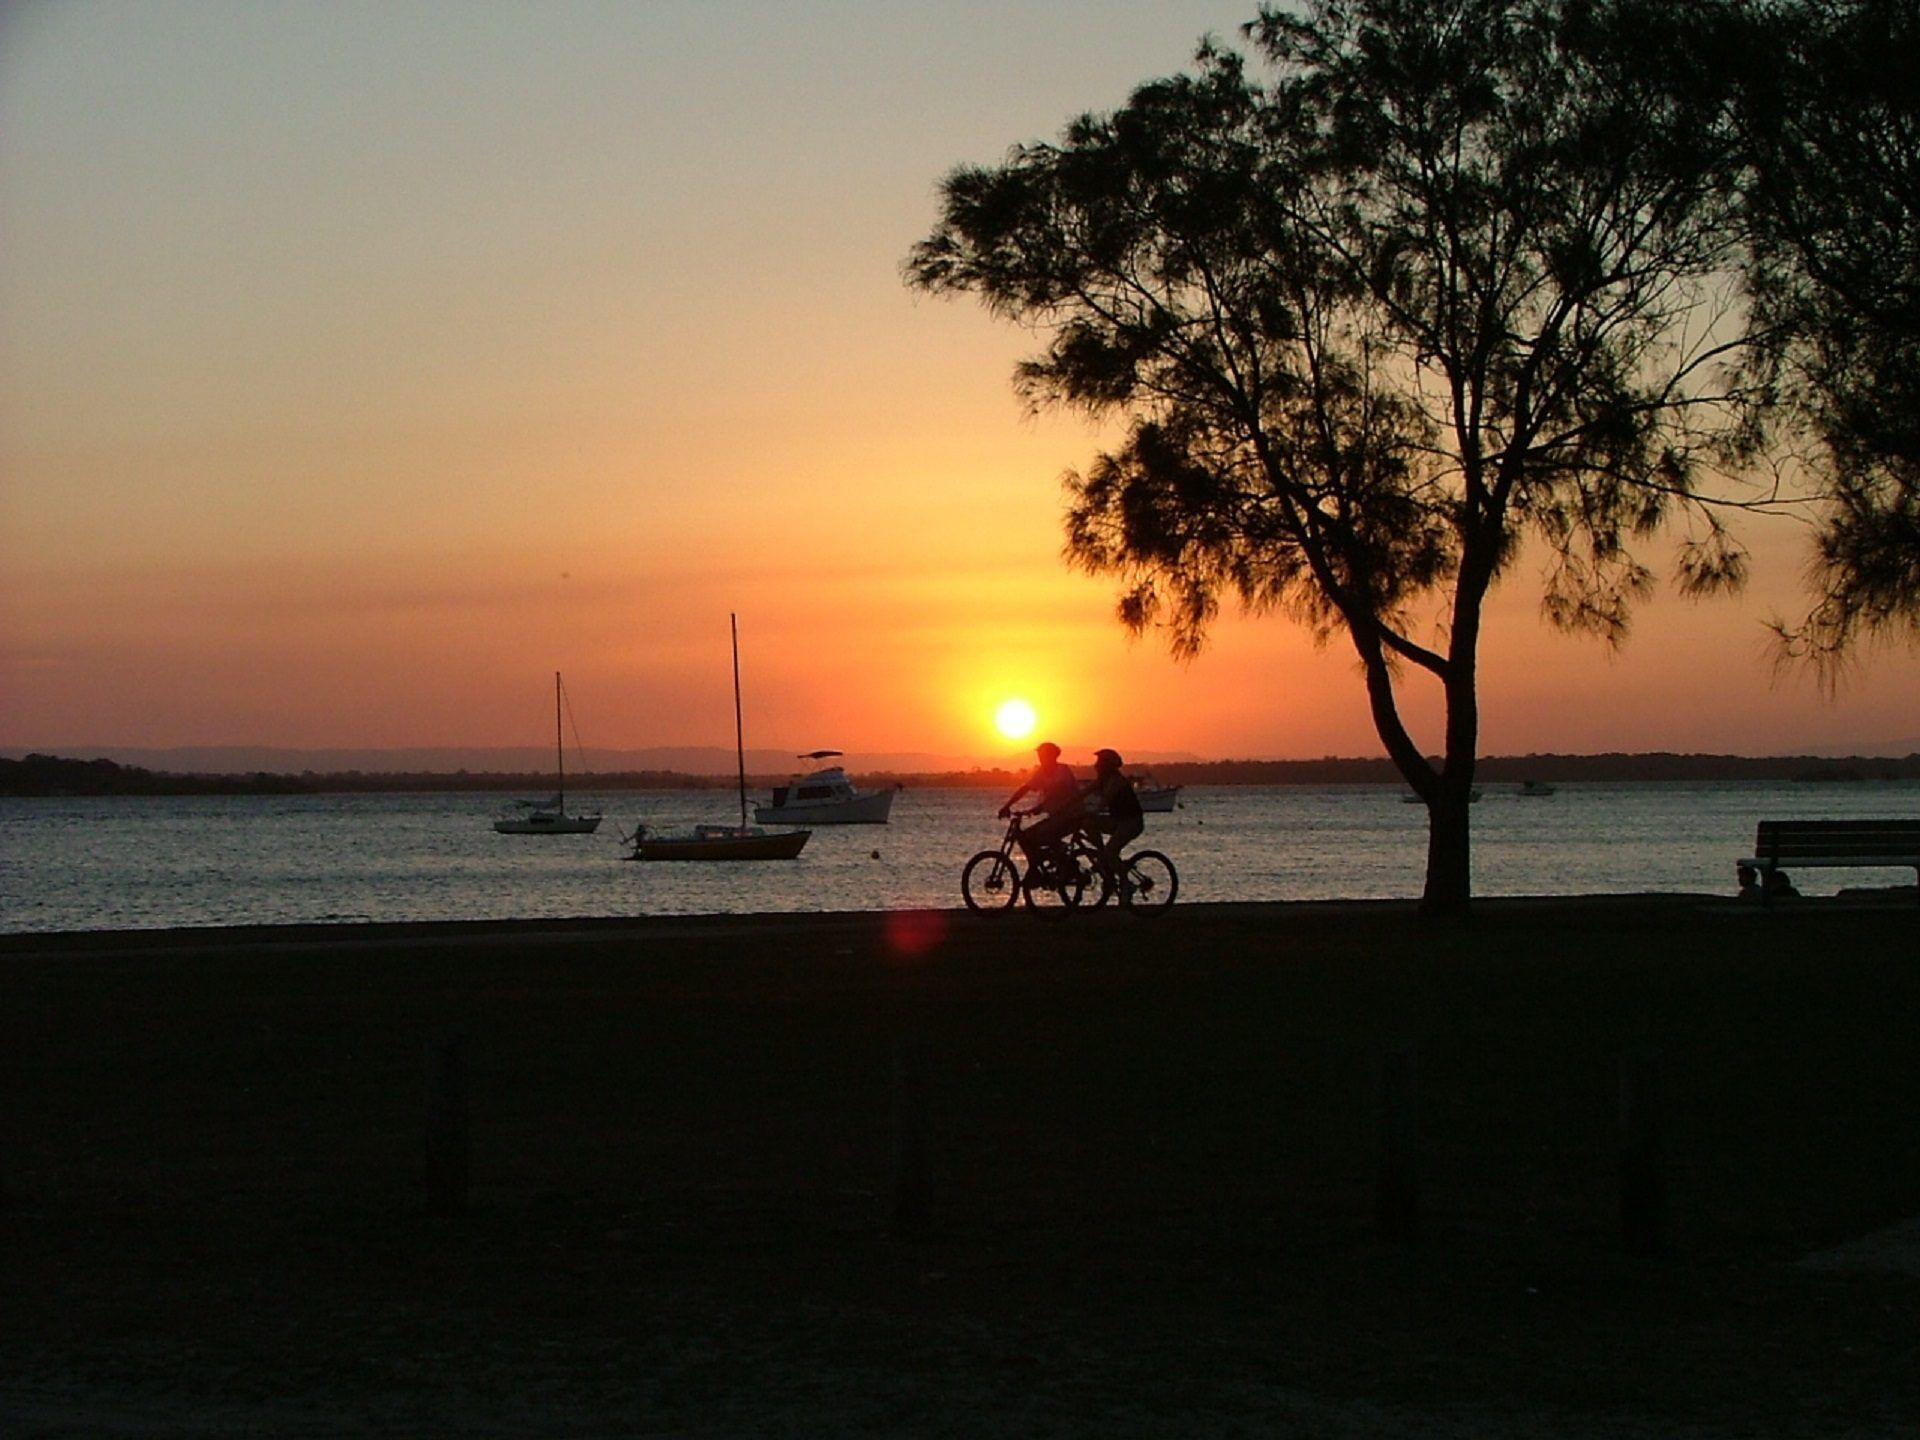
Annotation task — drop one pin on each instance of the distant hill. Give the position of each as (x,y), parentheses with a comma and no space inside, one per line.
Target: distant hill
(1502,769)
(37,774)
(440,760)
(51,775)
(533,760)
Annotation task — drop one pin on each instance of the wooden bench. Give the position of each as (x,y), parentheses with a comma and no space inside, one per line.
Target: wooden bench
(1856,844)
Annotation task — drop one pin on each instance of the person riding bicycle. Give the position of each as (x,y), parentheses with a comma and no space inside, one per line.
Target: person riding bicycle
(1121,819)
(1059,801)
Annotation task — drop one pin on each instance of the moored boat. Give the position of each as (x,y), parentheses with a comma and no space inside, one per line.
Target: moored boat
(1155,799)
(546,817)
(825,797)
(549,817)
(719,842)
(722,842)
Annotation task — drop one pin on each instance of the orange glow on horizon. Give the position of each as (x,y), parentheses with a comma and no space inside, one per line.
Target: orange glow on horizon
(372,652)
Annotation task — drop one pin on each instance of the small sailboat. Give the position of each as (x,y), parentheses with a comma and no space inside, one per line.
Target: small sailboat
(722,842)
(549,817)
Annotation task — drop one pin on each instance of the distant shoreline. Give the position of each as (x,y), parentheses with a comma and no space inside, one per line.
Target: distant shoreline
(58,776)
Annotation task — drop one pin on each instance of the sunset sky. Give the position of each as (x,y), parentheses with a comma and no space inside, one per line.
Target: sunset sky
(361,364)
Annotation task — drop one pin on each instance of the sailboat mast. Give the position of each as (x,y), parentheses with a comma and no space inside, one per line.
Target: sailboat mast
(739,731)
(559,745)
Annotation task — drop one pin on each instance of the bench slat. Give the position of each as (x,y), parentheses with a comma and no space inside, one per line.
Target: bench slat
(1837,846)
(1837,842)
(1840,827)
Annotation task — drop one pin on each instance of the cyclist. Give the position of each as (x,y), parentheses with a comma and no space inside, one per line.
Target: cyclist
(1059,800)
(1122,820)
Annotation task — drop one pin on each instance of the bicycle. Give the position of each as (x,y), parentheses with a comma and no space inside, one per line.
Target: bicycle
(1147,880)
(991,882)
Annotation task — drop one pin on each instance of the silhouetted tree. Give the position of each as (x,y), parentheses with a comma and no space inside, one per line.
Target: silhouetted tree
(1826,109)
(1433,286)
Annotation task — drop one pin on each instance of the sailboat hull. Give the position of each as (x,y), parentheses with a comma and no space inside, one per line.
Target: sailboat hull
(720,842)
(867,807)
(549,825)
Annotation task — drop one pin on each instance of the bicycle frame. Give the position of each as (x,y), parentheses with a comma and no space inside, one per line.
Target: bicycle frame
(995,880)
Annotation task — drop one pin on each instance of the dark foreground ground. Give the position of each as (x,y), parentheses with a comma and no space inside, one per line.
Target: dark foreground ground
(1153,1152)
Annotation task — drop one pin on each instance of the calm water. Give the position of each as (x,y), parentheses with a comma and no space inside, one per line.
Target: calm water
(150,863)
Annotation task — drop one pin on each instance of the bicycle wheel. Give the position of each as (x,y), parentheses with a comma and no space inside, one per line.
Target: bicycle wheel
(1054,893)
(1152,882)
(990,883)
(1097,886)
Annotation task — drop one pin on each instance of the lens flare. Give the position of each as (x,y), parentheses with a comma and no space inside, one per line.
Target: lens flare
(911,933)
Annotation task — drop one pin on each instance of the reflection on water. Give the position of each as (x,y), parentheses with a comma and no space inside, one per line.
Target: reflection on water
(156,862)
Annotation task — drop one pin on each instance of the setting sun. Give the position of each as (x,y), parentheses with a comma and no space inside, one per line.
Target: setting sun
(1015,719)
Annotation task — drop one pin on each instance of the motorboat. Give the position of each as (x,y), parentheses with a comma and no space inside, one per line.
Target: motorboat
(1408,797)
(1535,788)
(722,842)
(1155,799)
(549,817)
(825,797)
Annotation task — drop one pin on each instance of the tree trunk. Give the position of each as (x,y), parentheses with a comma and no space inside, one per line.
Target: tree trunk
(1449,854)
(1449,808)
(1449,790)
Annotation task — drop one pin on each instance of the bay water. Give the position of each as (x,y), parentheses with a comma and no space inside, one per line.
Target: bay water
(162,862)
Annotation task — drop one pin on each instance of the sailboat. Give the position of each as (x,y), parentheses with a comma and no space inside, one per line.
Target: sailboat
(723,842)
(549,817)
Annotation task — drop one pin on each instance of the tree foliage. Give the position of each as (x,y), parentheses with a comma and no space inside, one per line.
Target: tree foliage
(1826,112)
(1440,279)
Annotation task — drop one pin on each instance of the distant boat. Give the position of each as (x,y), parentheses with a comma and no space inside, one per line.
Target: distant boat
(1155,799)
(719,842)
(1407,797)
(825,797)
(1535,788)
(549,817)
(723,842)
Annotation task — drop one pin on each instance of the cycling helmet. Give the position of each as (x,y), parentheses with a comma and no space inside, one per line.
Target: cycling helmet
(1047,750)
(1106,759)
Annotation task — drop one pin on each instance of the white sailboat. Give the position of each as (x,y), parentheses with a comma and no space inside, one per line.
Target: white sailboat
(549,817)
(722,842)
